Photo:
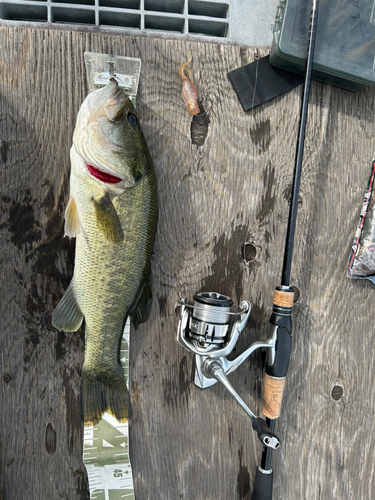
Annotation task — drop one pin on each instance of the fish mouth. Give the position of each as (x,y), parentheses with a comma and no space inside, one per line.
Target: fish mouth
(103,176)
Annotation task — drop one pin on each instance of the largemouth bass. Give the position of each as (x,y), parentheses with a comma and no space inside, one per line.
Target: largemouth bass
(112,212)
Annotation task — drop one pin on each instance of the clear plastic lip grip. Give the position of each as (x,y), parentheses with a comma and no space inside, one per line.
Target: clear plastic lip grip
(106,444)
(100,68)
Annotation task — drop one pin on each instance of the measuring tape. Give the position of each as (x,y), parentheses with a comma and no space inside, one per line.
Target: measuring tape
(106,448)
(106,444)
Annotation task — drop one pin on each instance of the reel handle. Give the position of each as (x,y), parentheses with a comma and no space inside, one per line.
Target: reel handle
(212,368)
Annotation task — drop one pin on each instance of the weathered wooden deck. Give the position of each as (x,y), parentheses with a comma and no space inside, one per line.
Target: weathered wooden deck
(188,444)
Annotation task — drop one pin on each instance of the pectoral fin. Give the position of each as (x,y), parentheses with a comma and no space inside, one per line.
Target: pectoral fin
(67,316)
(72,227)
(143,308)
(107,219)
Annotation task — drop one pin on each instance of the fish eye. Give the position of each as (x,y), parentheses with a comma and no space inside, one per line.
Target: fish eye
(132,119)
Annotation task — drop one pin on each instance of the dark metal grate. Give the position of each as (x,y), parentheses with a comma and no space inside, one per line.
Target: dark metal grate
(183,17)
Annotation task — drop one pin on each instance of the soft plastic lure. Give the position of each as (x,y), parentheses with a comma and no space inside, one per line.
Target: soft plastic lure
(189,92)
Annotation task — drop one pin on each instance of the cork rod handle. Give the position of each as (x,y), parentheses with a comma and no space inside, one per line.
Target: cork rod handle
(274,381)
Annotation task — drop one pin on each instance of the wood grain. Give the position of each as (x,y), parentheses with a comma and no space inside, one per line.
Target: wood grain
(234,188)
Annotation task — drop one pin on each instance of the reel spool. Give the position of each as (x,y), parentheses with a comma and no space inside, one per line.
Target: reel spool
(209,321)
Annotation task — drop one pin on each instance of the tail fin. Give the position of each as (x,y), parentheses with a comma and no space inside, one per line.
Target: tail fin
(104,391)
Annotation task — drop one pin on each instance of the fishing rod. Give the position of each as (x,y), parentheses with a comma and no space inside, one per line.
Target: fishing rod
(204,327)
(277,365)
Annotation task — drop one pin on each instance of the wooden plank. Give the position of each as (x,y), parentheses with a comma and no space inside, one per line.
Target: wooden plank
(232,189)
(41,434)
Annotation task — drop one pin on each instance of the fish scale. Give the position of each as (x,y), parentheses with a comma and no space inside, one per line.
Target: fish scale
(111,282)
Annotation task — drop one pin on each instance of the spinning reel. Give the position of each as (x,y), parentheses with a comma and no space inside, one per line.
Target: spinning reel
(204,329)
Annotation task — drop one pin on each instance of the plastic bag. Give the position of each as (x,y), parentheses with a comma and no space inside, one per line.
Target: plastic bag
(361,264)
